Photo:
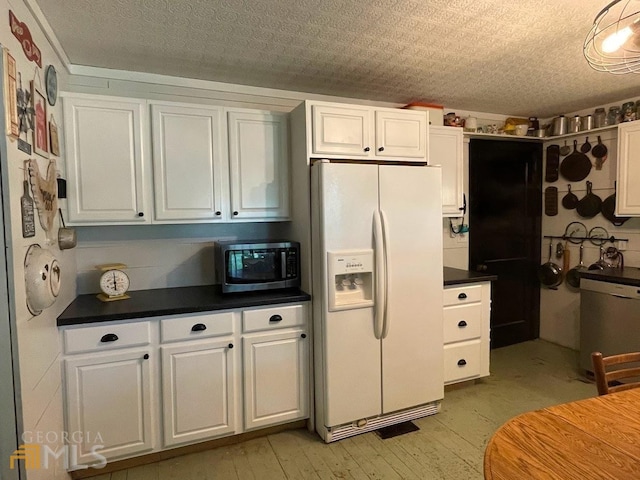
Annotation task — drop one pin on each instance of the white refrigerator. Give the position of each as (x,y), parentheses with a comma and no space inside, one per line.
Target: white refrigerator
(377,289)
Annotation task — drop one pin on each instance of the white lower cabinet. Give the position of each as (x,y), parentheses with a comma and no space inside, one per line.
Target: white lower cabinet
(466,316)
(276,386)
(109,402)
(198,400)
(170,381)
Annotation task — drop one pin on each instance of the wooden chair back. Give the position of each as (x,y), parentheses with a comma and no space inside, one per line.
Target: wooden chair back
(605,374)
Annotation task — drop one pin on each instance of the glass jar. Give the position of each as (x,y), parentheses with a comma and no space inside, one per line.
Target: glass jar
(614,117)
(599,118)
(628,112)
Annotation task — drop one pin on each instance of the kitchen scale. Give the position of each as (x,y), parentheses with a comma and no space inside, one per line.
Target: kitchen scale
(114,283)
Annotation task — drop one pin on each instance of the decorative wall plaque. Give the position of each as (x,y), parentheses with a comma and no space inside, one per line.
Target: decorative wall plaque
(40,134)
(45,193)
(10,94)
(22,33)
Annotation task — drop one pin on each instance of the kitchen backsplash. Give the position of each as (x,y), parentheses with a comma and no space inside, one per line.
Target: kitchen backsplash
(160,256)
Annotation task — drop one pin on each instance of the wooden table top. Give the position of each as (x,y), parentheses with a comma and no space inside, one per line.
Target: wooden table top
(597,438)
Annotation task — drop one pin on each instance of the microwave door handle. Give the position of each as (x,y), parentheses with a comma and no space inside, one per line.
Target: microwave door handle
(283,264)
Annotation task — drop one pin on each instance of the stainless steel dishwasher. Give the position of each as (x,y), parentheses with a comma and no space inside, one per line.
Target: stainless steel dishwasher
(609,319)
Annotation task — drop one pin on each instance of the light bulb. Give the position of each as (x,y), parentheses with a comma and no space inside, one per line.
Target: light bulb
(614,41)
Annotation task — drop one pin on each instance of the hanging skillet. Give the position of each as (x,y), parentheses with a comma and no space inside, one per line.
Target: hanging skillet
(609,207)
(570,201)
(589,205)
(576,166)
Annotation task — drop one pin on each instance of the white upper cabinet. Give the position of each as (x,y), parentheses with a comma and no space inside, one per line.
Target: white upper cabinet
(401,133)
(107,165)
(210,164)
(628,193)
(259,165)
(188,162)
(446,149)
(355,131)
(341,130)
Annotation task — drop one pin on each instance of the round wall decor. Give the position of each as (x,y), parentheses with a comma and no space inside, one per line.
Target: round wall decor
(51,82)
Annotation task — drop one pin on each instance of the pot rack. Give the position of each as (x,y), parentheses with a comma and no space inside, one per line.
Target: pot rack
(611,239)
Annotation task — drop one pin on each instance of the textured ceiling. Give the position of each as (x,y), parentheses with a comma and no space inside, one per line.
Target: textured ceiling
(512,57)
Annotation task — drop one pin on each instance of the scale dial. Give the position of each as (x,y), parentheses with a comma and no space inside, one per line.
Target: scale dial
(114,283)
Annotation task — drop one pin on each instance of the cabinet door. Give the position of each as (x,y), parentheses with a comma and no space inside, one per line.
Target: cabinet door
(259,163)
(189,175)
(276,378)
(446,150)
(110,395)
(628,194)
(106,167)
(401,134)
(197,391)
(341,131)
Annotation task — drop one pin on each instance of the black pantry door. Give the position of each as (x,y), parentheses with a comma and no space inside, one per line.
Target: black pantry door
(505,191)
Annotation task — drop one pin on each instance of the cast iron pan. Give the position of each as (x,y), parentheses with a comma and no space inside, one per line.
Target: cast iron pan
(589,205)
(570,201)
(576,166)
(551,201)
(550,274)
(573,275)
(609,207)
(552,162)
(600,150)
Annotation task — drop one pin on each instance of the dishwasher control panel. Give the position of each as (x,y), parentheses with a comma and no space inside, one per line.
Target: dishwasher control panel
(609,288)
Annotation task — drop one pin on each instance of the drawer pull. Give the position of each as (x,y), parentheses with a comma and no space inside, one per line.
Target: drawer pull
(462,296)
(275,319)
(462,362)
(198,327)
(146,356)
(304,335)
(462,324)
(109,337)
(231,345)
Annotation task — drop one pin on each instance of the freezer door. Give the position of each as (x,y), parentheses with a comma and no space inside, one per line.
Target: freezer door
(346,200)
(412,351)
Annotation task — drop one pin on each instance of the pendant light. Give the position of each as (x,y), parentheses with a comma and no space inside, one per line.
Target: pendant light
(613,43)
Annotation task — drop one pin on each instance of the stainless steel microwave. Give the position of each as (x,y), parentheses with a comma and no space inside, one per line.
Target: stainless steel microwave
(243,266)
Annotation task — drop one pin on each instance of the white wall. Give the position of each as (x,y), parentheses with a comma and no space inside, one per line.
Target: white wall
(39,349)
(560,309)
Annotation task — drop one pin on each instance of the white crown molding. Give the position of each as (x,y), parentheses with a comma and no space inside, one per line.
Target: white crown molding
(158,79)
(35,10)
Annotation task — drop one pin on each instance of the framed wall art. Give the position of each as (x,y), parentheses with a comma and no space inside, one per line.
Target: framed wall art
(40,137)
(10,94)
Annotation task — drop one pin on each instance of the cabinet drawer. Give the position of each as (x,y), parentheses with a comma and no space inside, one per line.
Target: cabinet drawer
(196,326)
(269,318)
(106,337)
(461,361)
(462,322)
(461,295)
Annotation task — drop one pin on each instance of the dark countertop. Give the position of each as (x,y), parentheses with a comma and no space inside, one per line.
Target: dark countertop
(171,301)
(455,276)
(625,276)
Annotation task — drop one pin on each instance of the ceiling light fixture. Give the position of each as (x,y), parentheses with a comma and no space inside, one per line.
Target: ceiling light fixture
(613,43)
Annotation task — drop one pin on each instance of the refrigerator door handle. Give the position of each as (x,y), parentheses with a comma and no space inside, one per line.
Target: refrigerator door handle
(378,245)
(385,237)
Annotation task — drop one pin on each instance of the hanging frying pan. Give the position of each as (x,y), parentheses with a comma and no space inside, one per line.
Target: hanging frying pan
(570,201)
(573,275)
(600,153)
(600,150)
(550,274)
(589,205)
(609,207)
(576,166)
